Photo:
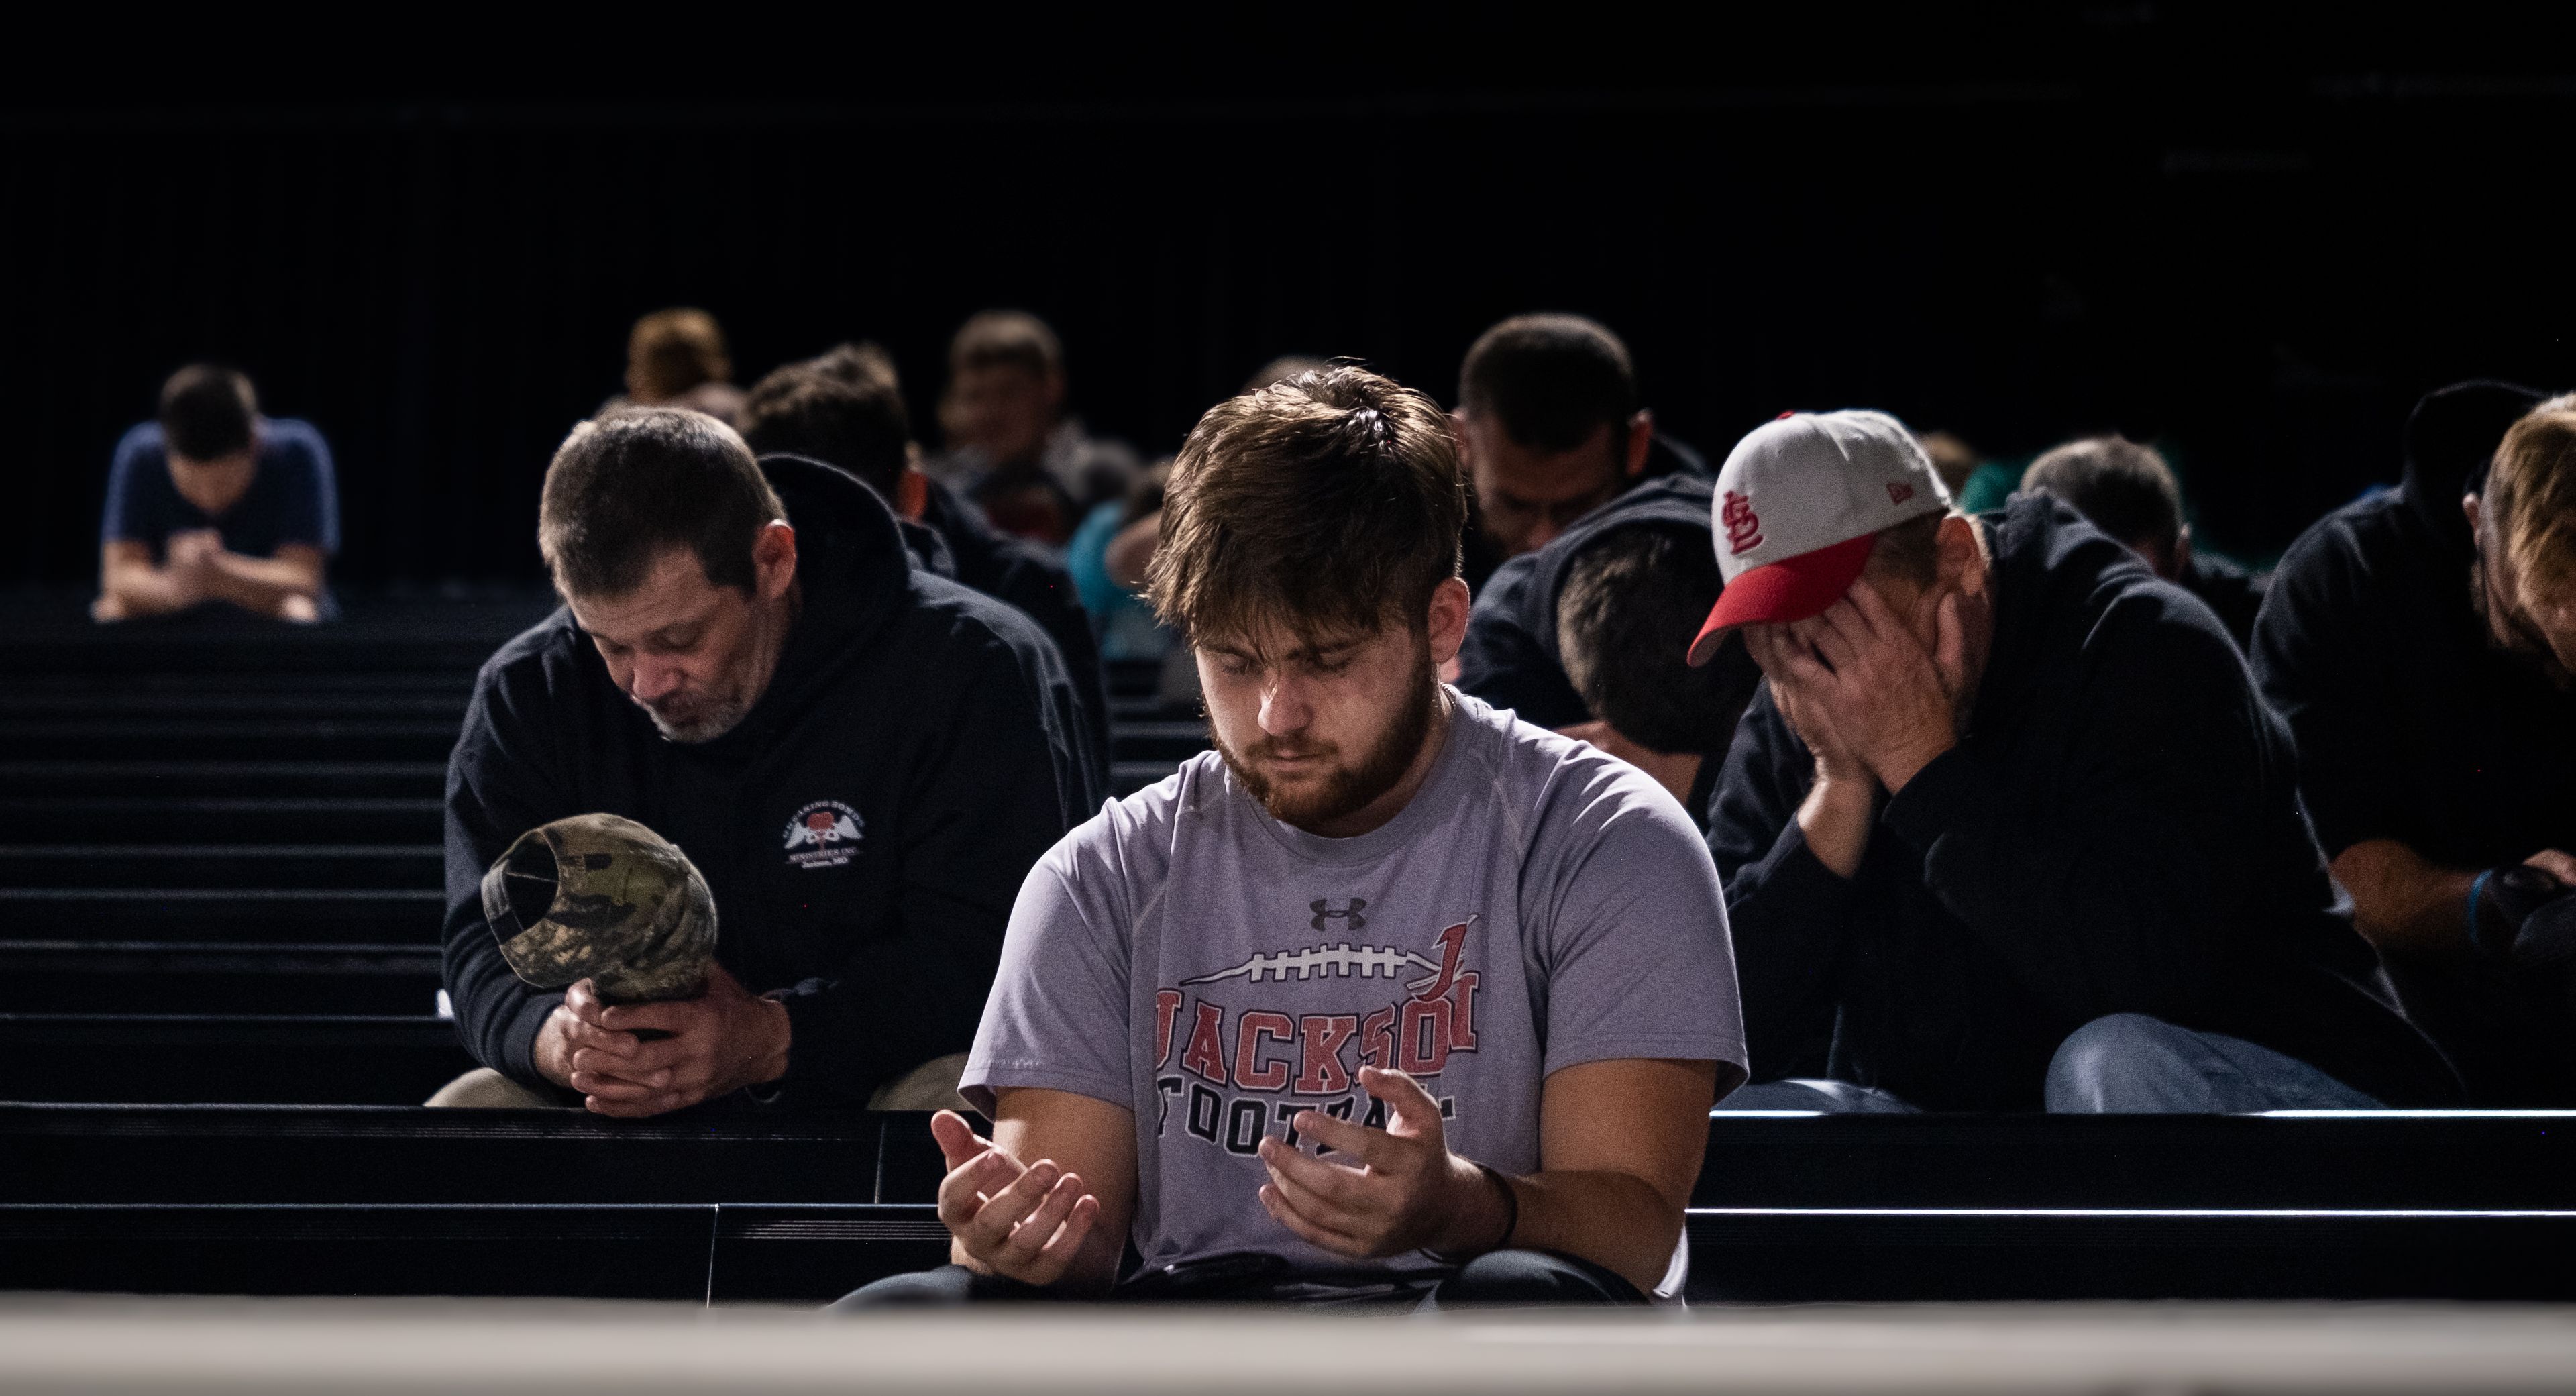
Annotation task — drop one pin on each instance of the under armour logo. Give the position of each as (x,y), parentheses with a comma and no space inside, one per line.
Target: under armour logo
(1324,912)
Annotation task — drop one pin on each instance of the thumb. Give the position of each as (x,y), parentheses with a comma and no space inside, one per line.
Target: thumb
(1950,645)
(958,1141)
(1411,1113)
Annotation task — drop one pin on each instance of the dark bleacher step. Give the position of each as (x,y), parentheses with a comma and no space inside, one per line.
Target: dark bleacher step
(168,704)
(208,779)
(178,977)
(1157,741)
(141,818)
(229,1058)
(245,739)
(504,1251)
(305,867)
(375,916)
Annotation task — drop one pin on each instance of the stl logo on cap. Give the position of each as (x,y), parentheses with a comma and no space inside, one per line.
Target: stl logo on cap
(1829,483)
(1743,526)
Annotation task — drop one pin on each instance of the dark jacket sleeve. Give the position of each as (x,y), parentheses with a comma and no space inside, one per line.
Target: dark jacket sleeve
(1504,661)
(1790,914)
(1044,591)
(502,780)
(2111,885)
(2324,662)
(996,777)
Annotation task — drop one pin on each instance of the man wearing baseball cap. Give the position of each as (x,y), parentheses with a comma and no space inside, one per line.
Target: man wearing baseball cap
(2007,825)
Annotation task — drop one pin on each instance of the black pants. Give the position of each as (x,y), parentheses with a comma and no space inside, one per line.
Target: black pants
(1503,1278)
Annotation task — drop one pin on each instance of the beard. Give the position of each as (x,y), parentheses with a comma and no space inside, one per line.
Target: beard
(707,717)
(1342,788)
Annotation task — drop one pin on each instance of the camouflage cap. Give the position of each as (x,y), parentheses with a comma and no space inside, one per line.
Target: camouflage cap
(602,898)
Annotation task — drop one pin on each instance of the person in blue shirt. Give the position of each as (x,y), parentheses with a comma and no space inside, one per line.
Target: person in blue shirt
(214,503)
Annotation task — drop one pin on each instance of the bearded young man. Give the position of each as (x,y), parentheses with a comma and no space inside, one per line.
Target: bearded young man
(861,758)
(1389,996)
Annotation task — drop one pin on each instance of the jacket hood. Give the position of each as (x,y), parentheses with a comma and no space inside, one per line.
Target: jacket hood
(1673,500)
(855,574)
(2450,437)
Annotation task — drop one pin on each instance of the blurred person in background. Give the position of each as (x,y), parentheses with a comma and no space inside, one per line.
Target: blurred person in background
(677,358)
(1011,447)
(213,503)
(845,408)
(2129,492)
(2420,643)
(1550,428)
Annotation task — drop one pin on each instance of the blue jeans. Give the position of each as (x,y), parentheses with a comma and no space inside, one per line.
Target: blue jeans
(2122,1064)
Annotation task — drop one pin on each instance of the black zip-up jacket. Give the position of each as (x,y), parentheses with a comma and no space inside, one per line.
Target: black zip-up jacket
(2413,726)
(2117,831)
(939,721)
(1510,657)
(1023,574)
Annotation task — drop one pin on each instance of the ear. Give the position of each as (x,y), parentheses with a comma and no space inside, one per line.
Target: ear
(1448,621)
(1466,448)
(1641,441)
(2182,551)
(1963,563)
(2470,506)
(1055,390)
(773,560)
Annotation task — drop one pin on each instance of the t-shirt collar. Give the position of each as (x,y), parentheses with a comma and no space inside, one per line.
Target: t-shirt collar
(1437,793)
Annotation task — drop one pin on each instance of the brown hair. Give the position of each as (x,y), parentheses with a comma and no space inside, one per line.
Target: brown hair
(852,421)
(2120,487)
(1330,503)
(635,483)
(672,351)
(2531,494)
(995,338)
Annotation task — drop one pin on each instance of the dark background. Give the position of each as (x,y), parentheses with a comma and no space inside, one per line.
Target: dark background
(2255,233)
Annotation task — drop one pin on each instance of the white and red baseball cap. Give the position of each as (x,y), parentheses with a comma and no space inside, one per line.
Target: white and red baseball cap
(1798,503)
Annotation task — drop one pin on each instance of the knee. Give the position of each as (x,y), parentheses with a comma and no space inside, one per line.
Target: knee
(1531,1277)
(948,1284)
(2098,1063)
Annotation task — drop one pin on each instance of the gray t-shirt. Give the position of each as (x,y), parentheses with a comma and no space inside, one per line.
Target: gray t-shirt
(1536,906)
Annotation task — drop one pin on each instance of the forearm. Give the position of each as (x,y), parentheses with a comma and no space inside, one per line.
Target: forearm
(145,590)
(1835,819)
(1615,1220)
(2403,901)
(261,584)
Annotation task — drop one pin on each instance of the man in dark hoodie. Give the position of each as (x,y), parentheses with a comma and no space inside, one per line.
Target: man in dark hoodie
(2420,644)
(863,760)
(1586,602)
(846,409)
(2007,825)
(2128,491)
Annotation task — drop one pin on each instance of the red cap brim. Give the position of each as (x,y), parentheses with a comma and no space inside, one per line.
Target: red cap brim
(1793,588)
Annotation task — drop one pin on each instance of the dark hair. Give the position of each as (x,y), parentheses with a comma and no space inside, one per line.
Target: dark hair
(863,362)
(1625,615)
(635,483)
(206,412)
(671,351)
(1330,503)
(1550,381)
(993,338)
(2125,489)
(855,422)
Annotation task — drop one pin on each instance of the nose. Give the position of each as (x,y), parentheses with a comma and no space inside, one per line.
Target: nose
(652,682)
(1284,709)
